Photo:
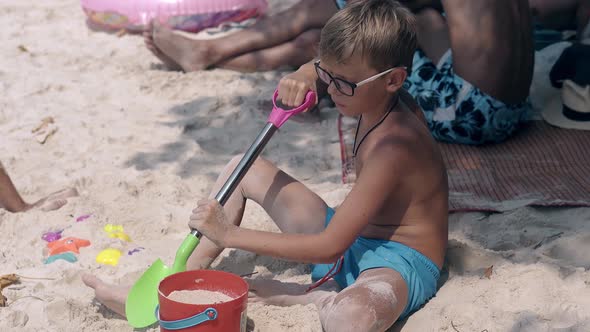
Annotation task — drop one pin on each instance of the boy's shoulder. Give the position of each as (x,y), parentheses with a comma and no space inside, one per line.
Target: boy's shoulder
(399,147)
(408,145)
(413,105)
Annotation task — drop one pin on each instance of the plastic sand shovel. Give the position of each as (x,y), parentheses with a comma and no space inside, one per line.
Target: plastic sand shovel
(143,296)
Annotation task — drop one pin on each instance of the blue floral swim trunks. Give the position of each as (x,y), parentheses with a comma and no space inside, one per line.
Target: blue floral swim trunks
(340,3)
(456,111)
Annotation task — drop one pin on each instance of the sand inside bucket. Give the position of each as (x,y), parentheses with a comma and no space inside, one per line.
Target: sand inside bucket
(199,296)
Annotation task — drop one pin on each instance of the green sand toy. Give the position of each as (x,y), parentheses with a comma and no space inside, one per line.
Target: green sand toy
(143,297)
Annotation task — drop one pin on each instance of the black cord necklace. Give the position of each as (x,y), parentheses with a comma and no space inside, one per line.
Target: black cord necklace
(355,148)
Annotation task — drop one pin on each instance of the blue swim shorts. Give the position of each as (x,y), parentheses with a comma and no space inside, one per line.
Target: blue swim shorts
(456,111)
(419,272)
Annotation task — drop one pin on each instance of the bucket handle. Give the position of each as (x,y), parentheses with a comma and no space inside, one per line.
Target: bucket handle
(207,315)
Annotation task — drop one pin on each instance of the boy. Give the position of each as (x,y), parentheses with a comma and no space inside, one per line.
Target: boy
(385,244)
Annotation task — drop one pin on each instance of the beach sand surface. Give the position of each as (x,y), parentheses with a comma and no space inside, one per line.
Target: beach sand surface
(143,144)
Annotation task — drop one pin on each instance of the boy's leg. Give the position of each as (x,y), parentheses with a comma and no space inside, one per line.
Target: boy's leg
(293,207)
(270,31)
(289,203)
(111,296)
(373,303)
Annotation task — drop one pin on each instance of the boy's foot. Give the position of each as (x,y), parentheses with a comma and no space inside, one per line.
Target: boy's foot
(189,54)
(274,292)
(54,201)
(148,38)
(111,296)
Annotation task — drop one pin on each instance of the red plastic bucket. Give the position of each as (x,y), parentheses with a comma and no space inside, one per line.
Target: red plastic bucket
(227,316)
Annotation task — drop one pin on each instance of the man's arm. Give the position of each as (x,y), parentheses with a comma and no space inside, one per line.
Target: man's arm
(583,19)
(418,5)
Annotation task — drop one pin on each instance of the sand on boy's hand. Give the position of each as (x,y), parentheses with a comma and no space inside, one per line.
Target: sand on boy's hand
(199,296)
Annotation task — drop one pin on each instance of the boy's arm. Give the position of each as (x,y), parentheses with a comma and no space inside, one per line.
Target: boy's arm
(380,177)
(302,248)
(294,86)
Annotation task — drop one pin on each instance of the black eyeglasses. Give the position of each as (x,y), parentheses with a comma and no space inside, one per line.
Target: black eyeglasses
(343,86)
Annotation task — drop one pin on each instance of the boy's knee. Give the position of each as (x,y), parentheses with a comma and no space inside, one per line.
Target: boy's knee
(342,322)
(354,312)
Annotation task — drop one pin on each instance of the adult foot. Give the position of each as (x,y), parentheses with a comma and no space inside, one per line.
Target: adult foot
(54,201)
(111,296)
(148,38)
(274,292)
(189,54)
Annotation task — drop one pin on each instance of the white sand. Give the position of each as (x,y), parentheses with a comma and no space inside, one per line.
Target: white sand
(198,296)
(142,145)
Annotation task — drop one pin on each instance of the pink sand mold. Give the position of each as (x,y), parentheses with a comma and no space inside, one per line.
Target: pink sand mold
(51,236)
(83,217)
(131,252)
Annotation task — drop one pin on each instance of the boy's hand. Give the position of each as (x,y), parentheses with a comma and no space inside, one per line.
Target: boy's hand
(210,219)
(293,87)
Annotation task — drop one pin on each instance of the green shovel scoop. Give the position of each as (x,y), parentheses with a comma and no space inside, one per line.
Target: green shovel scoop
(143,296)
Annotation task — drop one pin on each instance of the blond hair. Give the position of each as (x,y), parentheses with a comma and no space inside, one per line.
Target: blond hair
(382,32)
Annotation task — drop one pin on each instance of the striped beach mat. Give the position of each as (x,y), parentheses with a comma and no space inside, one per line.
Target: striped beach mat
(540,166)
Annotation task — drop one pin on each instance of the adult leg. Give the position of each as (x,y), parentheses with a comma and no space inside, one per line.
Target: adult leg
(373,303)
(293,207)
(192,55)
(293,53)
(55,200)
(9,197)
(13,202)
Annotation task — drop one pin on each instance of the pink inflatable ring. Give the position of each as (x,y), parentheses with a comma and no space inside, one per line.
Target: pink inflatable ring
(187,15)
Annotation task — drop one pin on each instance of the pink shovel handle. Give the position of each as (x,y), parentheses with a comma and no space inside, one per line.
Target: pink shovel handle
(278,116)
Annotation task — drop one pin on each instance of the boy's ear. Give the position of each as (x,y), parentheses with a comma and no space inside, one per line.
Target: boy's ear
(396,79)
